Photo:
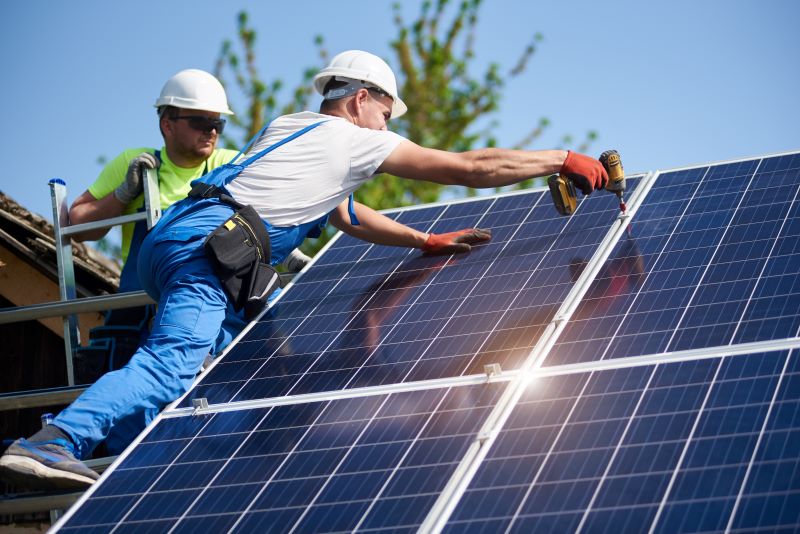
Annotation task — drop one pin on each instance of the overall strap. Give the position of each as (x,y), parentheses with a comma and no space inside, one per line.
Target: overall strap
(252,140)
(228,172)
(157,154)
(272,147)
(351,210)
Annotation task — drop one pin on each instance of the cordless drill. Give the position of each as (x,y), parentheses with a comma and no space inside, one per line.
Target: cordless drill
(563,190)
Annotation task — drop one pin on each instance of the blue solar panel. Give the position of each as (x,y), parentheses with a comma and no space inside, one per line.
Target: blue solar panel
(711,259)
(364,316)
(682,447)
(374,462)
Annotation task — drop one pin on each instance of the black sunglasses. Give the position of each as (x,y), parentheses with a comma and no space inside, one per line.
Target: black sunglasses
(202,124)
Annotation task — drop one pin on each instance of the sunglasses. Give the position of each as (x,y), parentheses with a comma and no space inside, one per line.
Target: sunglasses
(202,124)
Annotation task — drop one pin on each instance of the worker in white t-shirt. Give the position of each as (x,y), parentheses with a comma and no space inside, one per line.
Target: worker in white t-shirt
(299,175)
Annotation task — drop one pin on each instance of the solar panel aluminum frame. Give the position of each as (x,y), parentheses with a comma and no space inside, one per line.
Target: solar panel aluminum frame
(692,166)
(705,353)
(404,387)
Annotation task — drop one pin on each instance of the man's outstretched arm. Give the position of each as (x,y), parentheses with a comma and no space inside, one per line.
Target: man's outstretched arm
(492,167)
(380,229)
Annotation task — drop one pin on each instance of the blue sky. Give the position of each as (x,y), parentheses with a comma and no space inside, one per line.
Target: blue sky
(666,83)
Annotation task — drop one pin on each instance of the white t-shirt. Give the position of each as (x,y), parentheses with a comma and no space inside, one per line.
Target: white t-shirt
(309,176)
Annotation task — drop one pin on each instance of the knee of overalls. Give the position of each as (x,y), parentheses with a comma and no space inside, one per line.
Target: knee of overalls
(191,311)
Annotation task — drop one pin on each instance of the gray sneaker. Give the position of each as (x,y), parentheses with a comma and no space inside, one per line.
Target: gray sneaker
(45,465)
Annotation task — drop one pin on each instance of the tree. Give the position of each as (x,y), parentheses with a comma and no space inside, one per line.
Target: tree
(434,61)
(261,96)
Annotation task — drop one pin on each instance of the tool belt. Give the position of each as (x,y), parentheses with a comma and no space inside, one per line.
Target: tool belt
(239,251)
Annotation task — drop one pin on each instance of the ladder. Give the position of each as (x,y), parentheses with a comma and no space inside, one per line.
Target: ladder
(69,305)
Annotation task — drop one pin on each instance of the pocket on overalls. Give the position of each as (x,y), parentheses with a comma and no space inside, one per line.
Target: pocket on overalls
(239,252)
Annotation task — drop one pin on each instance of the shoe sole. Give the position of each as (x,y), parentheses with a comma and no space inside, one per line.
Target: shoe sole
(35,475)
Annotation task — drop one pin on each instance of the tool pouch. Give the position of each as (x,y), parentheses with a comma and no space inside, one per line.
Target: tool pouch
(239,252)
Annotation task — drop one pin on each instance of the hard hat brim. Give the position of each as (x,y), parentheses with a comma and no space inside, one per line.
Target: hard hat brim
(184,103)
(399,108)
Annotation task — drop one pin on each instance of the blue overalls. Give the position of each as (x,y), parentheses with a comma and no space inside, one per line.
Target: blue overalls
(194,314)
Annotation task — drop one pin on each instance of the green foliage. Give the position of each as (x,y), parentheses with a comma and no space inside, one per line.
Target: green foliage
(435,53)
(261,96)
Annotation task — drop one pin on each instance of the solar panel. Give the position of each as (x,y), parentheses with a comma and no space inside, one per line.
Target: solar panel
(369,462)
(648,378)
(711,259)
(705,445)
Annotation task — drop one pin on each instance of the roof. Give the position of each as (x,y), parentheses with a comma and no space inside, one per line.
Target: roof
(30,237)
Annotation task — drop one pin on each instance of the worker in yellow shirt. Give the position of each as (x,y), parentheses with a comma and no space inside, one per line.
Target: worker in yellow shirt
(190,110)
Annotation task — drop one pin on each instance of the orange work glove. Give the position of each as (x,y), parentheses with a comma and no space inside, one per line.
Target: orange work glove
(454,242)
(586,173)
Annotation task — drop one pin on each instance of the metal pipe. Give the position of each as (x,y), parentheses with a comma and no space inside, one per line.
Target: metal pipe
(82,305)
(105,223)
(66,271)
(39,503)
(39,397)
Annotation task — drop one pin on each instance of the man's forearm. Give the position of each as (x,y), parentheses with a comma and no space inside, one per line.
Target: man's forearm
(377,228)
(86,209)
(497,167)
(486,167)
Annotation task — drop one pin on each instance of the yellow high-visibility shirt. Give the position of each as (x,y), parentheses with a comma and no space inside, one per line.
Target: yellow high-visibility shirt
(173,182)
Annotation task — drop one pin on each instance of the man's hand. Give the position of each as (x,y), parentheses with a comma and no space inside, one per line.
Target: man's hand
(454,242)
(132,186)
(586,173)
(295,261)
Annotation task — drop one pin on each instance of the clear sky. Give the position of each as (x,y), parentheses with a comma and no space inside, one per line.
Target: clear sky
(668,84)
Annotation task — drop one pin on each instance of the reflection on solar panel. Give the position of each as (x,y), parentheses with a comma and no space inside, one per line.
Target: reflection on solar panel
(648,378)
(366,462)
(695,446)
(368,315)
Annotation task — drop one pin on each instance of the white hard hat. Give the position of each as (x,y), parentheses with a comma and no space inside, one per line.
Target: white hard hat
(363,67)
(194,89)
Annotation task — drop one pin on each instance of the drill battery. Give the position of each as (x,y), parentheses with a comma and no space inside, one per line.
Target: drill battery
(563,192)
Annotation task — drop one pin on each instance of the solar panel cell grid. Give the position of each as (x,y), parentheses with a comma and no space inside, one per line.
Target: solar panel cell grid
(673,447)
(699,268)
(416,318)
(376,461)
